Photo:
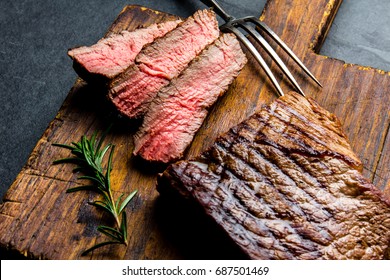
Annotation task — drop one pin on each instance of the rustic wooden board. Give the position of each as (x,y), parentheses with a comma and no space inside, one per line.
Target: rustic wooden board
(39,220)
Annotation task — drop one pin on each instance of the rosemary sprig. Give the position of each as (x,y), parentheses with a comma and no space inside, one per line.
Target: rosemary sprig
(88,155)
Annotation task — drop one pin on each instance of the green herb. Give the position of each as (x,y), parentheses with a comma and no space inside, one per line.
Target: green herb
(88,155)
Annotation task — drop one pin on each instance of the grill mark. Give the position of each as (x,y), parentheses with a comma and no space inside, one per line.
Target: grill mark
(317,112)
(250,148)
(245,193)
(302,246)
(225,208)
(315,183)
(311,215)
(264,121)
(325,232)
(216,205)
(226,172)
(308,173)
(329,177)
(283,199)
(301,232)
(360,205)
(220,207)
(325,235)
(324,131)
(303,120)
(249,211)
(248,127)
(262,178)
(296,141)
(226,220)
(306,182)
(337,236)
(259,137)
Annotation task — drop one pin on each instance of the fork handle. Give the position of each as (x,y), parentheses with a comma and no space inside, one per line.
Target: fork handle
(218,9)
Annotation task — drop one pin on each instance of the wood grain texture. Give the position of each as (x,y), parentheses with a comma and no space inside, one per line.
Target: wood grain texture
(38,219)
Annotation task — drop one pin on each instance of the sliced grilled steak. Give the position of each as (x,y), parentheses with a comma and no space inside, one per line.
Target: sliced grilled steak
(179,109)
(284,184)
(161,61)
(114,54)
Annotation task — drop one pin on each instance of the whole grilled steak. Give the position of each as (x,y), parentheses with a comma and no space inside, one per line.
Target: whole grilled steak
(161,61)
(179,109)
(284,184)
(114,54)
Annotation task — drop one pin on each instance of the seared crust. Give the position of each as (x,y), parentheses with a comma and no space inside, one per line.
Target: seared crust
(285,184)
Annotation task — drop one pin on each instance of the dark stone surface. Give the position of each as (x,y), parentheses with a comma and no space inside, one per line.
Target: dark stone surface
(360,34)
(36,74)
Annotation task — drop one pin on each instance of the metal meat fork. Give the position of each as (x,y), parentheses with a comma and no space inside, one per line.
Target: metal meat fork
(233,24)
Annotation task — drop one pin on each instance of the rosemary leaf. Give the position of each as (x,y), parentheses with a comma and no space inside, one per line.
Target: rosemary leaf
(112,232)
(98,181)
(64,146)
(124,227)
(100,154)
(126,201)
(77,169)
(67,160)
(117,203)
(81,188)
(102,138)
(98,246)
(88,156)
(93,139)
(103,205)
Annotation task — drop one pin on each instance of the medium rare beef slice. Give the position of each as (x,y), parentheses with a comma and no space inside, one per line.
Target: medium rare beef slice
(180,108)
(285,184)
(114,54)
(161,61)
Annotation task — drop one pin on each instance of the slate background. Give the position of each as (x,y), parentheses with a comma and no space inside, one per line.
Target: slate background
(36,73)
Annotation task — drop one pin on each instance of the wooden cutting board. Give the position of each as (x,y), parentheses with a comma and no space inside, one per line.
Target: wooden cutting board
(38,219)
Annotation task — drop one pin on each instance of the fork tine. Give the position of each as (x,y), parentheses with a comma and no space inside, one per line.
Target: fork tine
(276,38)
(271,52)
(256,55)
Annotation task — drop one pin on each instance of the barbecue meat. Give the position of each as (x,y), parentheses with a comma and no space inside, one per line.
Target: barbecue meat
(161,61)
(285,184)
(179,109)
(112,55)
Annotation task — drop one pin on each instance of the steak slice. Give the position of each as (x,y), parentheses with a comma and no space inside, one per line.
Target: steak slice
(179,109)
(161,61)
(114,54)
(284,184)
